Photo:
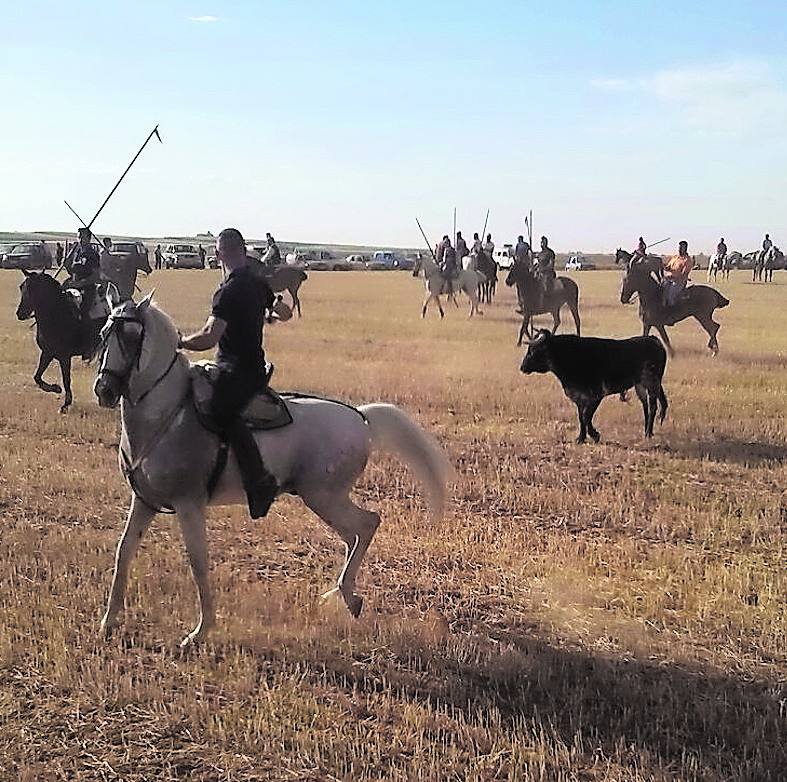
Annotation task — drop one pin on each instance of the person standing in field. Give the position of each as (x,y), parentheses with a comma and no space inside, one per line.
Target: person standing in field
(58,254)
(676,274)
(235,324)
(201,252)
(158,257)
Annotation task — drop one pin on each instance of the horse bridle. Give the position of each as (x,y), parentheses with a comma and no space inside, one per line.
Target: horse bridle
(131,359)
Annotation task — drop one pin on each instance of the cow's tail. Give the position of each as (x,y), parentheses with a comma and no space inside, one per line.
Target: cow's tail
(663,404)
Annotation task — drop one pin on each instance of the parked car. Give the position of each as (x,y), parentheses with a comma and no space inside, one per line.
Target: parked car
(579,263)
(504,256)
(357,261)
(27,255)
(135,250)
(406,264)
(383,260)
(182,256)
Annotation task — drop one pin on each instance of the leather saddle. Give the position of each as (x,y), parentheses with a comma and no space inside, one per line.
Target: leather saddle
(266,410)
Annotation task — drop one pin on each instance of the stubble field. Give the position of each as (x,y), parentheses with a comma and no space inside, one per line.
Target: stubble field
(581,612)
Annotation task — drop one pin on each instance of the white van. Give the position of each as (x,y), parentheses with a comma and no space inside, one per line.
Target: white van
(504,256)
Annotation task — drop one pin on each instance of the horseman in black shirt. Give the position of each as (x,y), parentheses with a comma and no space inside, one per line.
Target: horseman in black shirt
(235,324)
(83,265)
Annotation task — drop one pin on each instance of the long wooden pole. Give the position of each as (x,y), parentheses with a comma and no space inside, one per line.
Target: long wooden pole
(486,220)
(454,226)
(425,239)
(152,133)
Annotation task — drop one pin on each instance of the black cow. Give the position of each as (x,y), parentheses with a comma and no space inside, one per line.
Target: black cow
(590,368)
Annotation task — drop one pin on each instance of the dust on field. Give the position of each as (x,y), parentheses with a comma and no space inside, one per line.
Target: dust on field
(597,612)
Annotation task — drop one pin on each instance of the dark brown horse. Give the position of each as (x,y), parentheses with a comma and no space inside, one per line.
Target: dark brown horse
(488,267)
(698,301)
(285,278)
(533,300)
(57,329)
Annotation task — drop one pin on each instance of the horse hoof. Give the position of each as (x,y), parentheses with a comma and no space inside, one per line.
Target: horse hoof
(64,409)
(354,605)
(55,389)
(106,629)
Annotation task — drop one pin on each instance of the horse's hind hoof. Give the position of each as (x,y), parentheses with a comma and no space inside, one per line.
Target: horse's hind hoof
(354,605)
(64,409)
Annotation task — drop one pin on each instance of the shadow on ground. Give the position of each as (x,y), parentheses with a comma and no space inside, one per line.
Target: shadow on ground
(747,453)
(697,723)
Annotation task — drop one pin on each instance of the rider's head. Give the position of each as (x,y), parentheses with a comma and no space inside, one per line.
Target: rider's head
(683,247)
(475,235)
(489,237)
(107,243)
(544,241)
(231,249)
(268,238)
(520,238)
(458,234)
(767,236)
(84,236)
(721,241)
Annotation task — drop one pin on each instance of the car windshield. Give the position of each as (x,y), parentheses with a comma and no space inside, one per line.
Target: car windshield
(183,248)
(124,247)
(23,249)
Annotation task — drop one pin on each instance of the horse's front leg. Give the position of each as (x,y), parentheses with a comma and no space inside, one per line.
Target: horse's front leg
(65,372)
(44,360)
(191,517)
(139,518)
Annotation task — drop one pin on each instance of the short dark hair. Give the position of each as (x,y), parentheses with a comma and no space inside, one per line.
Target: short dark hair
(233,239)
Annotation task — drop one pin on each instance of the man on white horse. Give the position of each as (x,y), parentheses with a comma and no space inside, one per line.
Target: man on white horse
(721,253)
(235,325)
(449,267)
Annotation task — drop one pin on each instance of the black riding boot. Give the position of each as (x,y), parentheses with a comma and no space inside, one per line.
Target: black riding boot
(260,485)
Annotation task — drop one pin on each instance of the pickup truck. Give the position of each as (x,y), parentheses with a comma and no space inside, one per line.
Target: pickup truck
(182,256)
(579,263)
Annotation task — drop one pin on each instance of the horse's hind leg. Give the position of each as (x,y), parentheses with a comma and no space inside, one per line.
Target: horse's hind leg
(191,518)
(296,302)
(712,328)
(65,371)
(555,320)
(43,364)
(139,518)
(356,527)
(665,339)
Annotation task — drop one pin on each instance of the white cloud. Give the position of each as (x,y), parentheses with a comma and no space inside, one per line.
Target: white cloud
(205,19)
(612,85)
(735,97)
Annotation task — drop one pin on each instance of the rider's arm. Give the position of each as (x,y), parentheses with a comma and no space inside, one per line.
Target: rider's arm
(207,337)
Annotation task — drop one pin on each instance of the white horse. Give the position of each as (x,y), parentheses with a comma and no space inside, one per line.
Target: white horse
(467,280)
(168,457)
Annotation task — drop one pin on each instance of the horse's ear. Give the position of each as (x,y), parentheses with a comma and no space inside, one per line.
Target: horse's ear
(145,303)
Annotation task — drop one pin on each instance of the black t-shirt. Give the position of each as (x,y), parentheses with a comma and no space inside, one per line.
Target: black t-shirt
(85,263)
(241,301)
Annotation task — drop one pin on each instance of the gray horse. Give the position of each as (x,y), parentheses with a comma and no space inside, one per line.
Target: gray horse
(169,458)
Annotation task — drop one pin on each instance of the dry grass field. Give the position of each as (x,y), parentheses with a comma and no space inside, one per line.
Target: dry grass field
(610,612)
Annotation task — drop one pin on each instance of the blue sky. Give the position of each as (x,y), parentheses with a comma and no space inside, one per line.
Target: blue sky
(341,121)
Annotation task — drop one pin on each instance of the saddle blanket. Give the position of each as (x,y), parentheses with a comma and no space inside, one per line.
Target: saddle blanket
(266,410)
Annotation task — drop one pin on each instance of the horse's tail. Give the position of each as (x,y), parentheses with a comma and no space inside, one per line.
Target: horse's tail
(395,432)
(721,300)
